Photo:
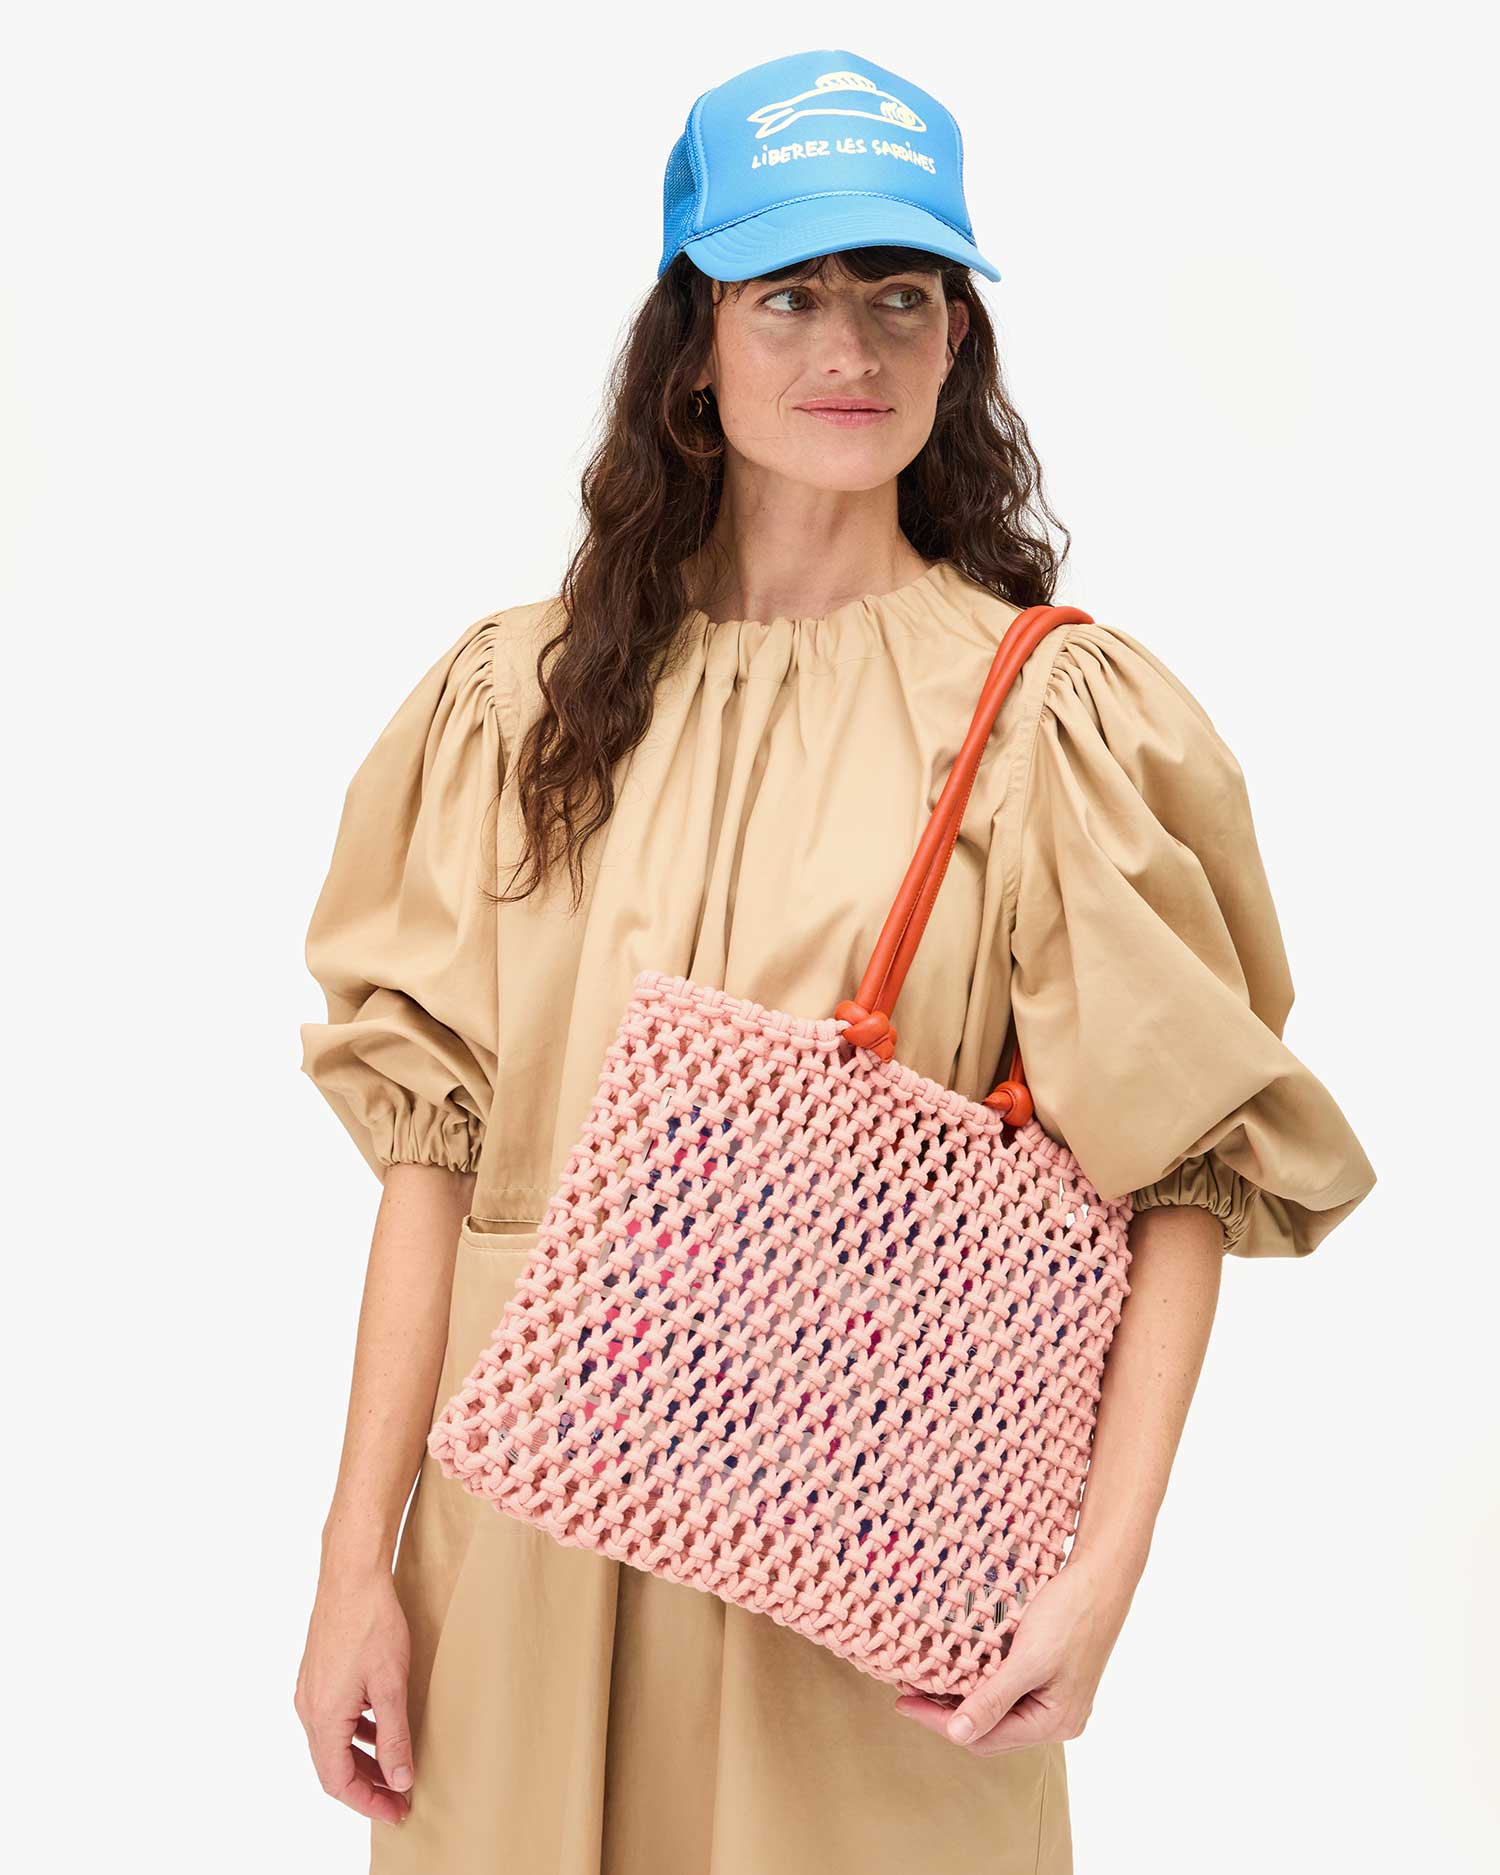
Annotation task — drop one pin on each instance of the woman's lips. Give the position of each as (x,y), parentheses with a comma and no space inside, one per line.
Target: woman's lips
(845,419)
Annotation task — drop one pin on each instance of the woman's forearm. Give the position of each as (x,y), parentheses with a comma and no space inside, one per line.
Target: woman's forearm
(1176,1262)
(398,1357)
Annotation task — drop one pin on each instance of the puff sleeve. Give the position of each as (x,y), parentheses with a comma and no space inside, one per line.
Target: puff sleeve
(402,938)
(1150,985)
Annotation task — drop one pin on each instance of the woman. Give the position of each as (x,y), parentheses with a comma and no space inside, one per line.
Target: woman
(812,517)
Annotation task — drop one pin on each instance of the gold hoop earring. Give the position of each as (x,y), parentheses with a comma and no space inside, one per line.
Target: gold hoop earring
(700,404)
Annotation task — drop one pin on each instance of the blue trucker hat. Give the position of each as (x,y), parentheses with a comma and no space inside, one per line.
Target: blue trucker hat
(810,155)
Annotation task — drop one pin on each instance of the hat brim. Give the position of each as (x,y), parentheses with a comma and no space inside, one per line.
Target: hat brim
(827,224)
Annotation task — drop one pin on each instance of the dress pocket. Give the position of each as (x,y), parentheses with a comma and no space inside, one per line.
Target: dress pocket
(486,1269)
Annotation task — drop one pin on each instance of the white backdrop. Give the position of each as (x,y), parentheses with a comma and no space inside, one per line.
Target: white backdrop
(306,312)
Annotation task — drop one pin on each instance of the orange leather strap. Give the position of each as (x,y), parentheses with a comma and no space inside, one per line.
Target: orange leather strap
(868,1014)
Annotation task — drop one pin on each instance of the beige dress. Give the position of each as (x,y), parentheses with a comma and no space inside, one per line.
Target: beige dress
(576,1717)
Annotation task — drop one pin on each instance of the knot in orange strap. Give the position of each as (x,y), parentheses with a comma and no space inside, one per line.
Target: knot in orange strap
(1012,1099)
(868,1028)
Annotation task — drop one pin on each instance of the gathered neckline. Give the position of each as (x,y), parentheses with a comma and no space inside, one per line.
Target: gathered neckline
(868,602)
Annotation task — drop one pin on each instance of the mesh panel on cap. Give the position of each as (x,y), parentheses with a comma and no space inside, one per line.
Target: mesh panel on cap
(679,198)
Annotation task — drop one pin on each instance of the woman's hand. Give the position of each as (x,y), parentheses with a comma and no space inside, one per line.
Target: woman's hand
(358,1653)
(1043,1692)
(357,1658)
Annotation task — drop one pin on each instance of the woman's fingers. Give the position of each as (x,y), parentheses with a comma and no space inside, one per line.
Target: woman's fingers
(989,1702)
(1029,1722)
(392,1734)
(351,1775)
(999,1715)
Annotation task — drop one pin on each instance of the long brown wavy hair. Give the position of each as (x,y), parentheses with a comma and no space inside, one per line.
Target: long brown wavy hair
(650,496)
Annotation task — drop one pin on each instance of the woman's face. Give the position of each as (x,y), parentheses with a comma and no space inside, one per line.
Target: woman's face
(781,352)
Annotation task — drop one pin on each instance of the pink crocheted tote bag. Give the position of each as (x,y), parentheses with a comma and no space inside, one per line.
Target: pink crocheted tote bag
(805,1329)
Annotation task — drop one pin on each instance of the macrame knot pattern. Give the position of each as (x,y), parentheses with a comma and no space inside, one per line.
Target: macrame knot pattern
(805,1330)
(868,1028)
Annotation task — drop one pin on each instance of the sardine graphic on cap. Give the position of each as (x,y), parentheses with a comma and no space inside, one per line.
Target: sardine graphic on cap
(773,117)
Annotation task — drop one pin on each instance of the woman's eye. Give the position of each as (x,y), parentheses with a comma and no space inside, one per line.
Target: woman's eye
(921,299)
